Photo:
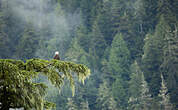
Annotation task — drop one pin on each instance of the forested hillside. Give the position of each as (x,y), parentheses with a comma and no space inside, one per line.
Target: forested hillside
(131,47)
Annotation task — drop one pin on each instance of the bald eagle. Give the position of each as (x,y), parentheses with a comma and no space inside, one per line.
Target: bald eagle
(56,56)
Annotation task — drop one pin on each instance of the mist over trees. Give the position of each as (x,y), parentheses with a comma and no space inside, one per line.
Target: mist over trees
(131,47)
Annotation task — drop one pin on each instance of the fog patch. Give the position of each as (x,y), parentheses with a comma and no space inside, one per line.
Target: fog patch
(48,19)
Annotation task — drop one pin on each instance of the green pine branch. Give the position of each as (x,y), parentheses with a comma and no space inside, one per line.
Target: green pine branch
(19,90)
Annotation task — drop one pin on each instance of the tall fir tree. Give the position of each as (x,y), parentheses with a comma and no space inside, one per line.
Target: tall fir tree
(165,98)
(160,57)
(170,61)
(119,69)
(140,96)
(105,23)
(97,46)
(135,86)
(105,100)
(145,97)
(153,56)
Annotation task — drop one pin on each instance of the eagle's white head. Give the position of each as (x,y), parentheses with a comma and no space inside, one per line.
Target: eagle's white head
(56,53)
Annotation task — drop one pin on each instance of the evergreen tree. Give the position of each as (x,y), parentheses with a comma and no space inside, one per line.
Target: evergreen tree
(105,99)
(135,86)
(135,81)
(97,46)
(98,43)
(165,101)
(169,64)
(128,21)
(137,28)
(119,64)
(105,23)
(160,57)
(18,88)
(120,15)
(150,7)
(145,97)
(140,97)
(153,56)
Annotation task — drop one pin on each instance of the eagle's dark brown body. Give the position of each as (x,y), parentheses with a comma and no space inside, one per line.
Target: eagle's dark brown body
(57,57)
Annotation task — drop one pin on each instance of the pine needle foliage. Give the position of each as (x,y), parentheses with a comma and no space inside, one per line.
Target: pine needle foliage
(17,89)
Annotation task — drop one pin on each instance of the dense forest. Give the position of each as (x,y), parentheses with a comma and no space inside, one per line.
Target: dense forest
(130,46)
